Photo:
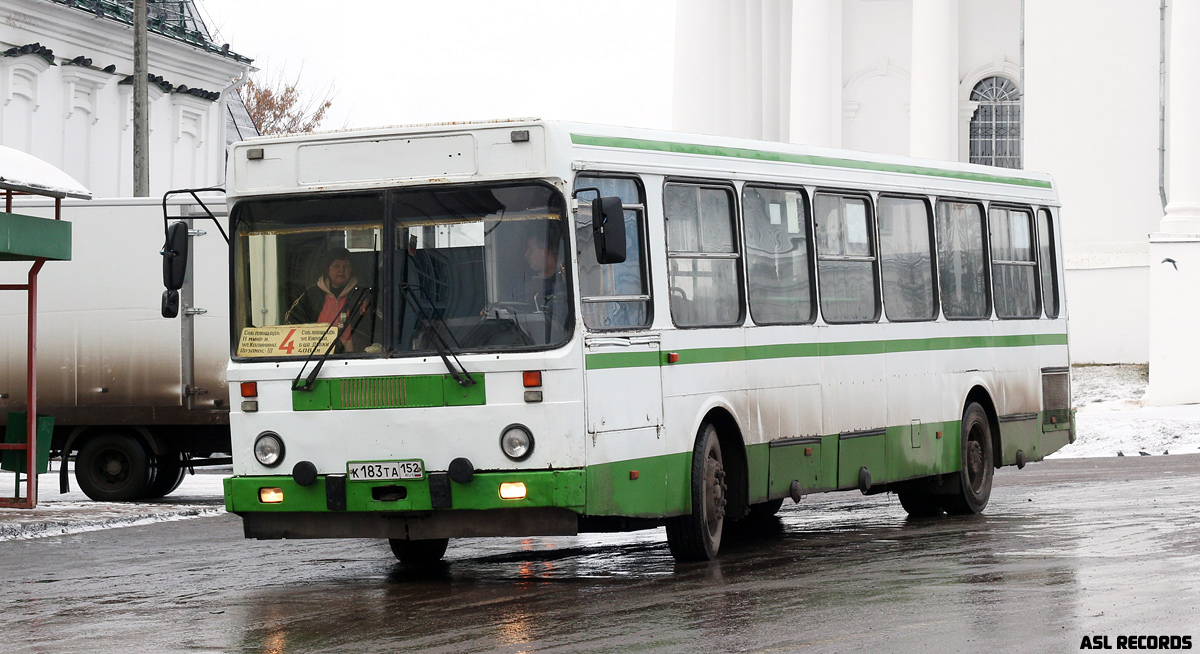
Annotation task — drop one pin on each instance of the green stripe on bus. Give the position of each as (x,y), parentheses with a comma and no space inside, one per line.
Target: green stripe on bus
(798,350)
(811,160)
(656,486)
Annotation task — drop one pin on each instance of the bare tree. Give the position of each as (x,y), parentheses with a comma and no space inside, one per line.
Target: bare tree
(278,106)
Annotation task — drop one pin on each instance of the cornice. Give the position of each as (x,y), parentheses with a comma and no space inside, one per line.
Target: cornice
(72,32)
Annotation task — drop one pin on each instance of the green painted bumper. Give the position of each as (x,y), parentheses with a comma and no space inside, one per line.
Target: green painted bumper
(554,488)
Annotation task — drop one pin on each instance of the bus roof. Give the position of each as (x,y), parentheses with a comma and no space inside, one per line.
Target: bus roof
(592,145)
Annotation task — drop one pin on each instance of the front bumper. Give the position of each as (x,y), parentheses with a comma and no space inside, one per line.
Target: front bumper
(544,488)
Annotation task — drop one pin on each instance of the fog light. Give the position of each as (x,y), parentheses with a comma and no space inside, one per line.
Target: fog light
(516,442)
(270,495)
(268,449)
(511,490)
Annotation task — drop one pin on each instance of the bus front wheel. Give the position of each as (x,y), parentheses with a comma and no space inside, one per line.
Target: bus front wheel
(414,553)
(975,477)
(696,536)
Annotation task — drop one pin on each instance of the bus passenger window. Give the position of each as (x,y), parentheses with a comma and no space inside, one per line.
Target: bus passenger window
(1049,270)
(845,260)
(906,252)
(1014,269)
(617,295)
(777,256)
(961,269)
(702,256)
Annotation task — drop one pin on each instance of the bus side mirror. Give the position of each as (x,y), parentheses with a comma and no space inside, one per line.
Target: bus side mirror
(608,229)
(170,303)
(175,256)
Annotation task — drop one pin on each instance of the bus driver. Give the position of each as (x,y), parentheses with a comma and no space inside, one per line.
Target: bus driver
(325,301)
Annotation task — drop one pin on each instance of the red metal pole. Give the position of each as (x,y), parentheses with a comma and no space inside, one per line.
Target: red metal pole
(31,382)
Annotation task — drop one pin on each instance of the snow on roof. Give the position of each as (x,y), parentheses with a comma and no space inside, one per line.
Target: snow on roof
(24,172)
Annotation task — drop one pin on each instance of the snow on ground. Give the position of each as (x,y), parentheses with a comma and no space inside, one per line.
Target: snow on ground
(71,513)
(1111,416)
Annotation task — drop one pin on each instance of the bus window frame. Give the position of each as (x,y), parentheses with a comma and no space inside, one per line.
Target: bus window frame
(1035,251)
(1054,259)
(935,269)
(644,264)
(872,235)
(735,225)
(234,212)
(386,277)
(811,244)
(990,309)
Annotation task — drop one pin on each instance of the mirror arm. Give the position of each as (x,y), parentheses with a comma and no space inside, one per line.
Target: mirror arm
(193,192)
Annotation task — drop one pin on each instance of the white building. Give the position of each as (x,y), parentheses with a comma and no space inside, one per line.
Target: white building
(1068,87)
(66,92)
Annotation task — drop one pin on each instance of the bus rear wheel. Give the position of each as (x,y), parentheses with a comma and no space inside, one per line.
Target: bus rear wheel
(975,478)
(696,536)
(416,553)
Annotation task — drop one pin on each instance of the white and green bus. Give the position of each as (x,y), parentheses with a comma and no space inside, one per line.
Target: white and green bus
(526,328)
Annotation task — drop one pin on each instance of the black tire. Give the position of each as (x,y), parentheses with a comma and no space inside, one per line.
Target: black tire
(169,472)
(113,468)
(919,504)
(697,536)
(417,553)
(975,478)
(766,509)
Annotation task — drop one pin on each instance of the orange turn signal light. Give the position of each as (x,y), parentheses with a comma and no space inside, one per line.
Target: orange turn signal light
(672,357)
(249,389)
(270,495)
(531,378)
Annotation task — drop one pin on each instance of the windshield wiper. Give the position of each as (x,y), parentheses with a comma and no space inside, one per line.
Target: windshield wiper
(459,373)
(312,376)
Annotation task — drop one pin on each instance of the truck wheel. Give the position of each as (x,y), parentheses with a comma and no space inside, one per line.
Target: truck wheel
(112,468)
(697,535)
(416,553)
(975,478)
(168,475)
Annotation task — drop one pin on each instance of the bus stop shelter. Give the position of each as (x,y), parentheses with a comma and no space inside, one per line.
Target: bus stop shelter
(36,241)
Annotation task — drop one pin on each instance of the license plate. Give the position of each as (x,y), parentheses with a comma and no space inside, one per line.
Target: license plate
(384,470)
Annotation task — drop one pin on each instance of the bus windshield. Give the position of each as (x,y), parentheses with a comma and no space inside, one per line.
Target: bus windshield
(402,272)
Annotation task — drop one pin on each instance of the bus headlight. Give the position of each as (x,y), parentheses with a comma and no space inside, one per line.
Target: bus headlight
(268,449)
(517,442)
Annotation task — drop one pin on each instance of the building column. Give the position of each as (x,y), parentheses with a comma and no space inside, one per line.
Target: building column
(1183,149)
(815,72)
(1175,249)
(933,119)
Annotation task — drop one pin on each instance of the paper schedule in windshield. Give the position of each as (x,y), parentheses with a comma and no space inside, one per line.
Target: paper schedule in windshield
(285,340)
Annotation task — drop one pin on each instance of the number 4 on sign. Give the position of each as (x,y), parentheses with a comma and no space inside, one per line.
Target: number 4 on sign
(288,345)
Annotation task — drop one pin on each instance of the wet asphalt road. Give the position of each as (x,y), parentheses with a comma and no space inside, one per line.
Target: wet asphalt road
(1067,548)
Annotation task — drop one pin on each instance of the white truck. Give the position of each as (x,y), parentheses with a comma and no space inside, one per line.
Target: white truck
(138,399)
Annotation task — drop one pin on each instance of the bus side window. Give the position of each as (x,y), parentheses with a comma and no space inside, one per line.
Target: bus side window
(778,257)
(906,252)
(1049,270)
(702,255)
(846,262)
(614,296)
(961,268)
(1014,267)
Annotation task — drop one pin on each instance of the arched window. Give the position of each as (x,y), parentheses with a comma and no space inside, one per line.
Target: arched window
(996,125)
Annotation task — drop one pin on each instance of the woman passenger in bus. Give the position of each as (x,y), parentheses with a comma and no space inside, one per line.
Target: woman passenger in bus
(326,301)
